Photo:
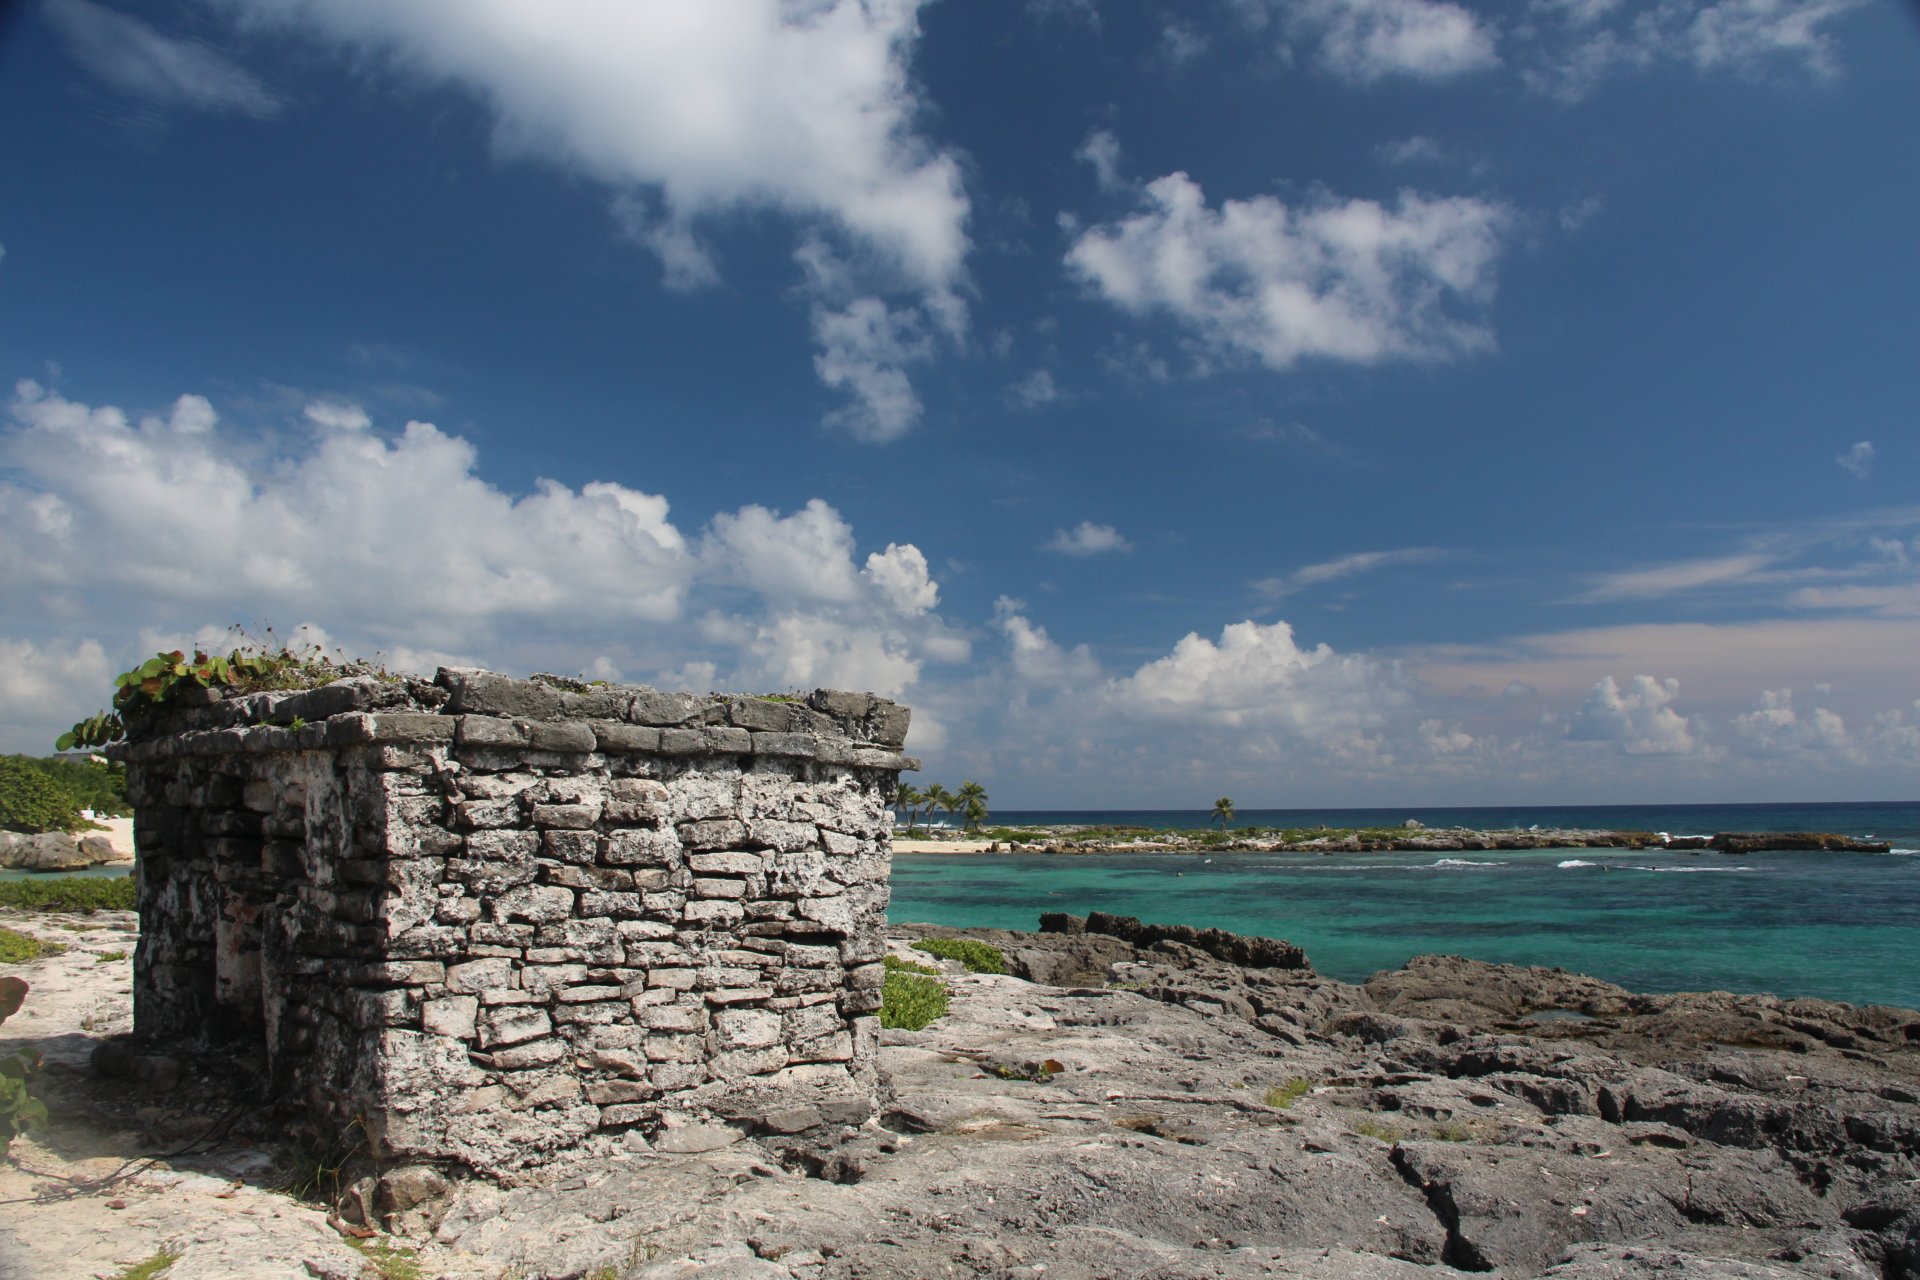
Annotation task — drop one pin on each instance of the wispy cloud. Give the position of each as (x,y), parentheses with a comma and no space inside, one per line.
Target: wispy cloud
(1418,149)
(1858,460)
(1670,579)
(1036,389)
(1101,152)
(1087,539)
(138,60)
(1313,575)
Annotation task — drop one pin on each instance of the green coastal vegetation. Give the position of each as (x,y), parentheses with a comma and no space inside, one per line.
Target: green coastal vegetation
(912,996)
(973,955)
(69,894)
(39,794)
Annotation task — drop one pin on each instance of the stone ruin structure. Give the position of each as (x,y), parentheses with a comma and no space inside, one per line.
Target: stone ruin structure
(491,920)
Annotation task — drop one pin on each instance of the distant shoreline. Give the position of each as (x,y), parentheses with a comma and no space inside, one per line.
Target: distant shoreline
(1069,839)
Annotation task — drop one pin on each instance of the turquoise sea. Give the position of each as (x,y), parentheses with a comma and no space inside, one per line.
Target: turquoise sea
(1841,926)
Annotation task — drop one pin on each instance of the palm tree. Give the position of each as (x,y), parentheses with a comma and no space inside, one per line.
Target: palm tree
(1223,811)
(974,813)
(972,801)
(906,799)
(937,797)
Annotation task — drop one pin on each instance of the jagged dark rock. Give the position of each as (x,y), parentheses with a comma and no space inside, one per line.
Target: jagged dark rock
(1233,948)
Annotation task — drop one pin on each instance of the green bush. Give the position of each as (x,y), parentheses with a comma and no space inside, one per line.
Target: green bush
(32,800)
(18,948)
(894,964)
(909,1001)
(99,787)
(19,1110)
(978,957)
(69,893)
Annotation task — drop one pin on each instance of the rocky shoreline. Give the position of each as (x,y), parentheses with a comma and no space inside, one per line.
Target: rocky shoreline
(1413,838)
(55,851)
(1129,1100)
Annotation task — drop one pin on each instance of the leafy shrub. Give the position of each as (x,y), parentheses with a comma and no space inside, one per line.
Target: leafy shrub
(976,956)
(894,964)
(18,948)
(909,1001)
(32,800)
(19,1111)
(99,787)
(69,893)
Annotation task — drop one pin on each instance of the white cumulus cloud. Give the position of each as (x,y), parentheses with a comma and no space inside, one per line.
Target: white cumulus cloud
(1639,718)
(1350,280)
(1775,728)
(1370,40)
(689,109)
(144,532)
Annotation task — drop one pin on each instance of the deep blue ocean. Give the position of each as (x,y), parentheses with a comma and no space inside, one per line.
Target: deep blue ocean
(1842,926)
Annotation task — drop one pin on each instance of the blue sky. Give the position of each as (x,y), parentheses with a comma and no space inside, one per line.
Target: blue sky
(1322,402)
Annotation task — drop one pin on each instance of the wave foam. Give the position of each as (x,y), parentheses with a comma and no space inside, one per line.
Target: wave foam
(1465,862)
(1576,862)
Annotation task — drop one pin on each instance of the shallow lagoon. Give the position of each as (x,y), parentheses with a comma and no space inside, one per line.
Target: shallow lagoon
(1841,926)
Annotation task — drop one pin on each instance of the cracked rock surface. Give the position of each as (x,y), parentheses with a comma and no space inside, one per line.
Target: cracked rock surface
(1115,1111)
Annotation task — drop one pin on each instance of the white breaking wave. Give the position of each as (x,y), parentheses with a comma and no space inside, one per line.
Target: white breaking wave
(1682,871)
(1576,862)
(1466,862)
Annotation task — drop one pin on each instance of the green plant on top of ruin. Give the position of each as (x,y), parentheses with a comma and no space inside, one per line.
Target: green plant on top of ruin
(568,684)
(976,957)
(251,666)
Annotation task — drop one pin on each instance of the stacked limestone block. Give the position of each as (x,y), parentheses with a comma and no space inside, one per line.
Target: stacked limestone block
(489,919)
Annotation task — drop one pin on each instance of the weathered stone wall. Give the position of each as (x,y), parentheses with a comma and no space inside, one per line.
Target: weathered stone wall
(490,919)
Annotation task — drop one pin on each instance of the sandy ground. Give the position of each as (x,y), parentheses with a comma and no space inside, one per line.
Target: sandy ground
(941,846)
(120,834)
